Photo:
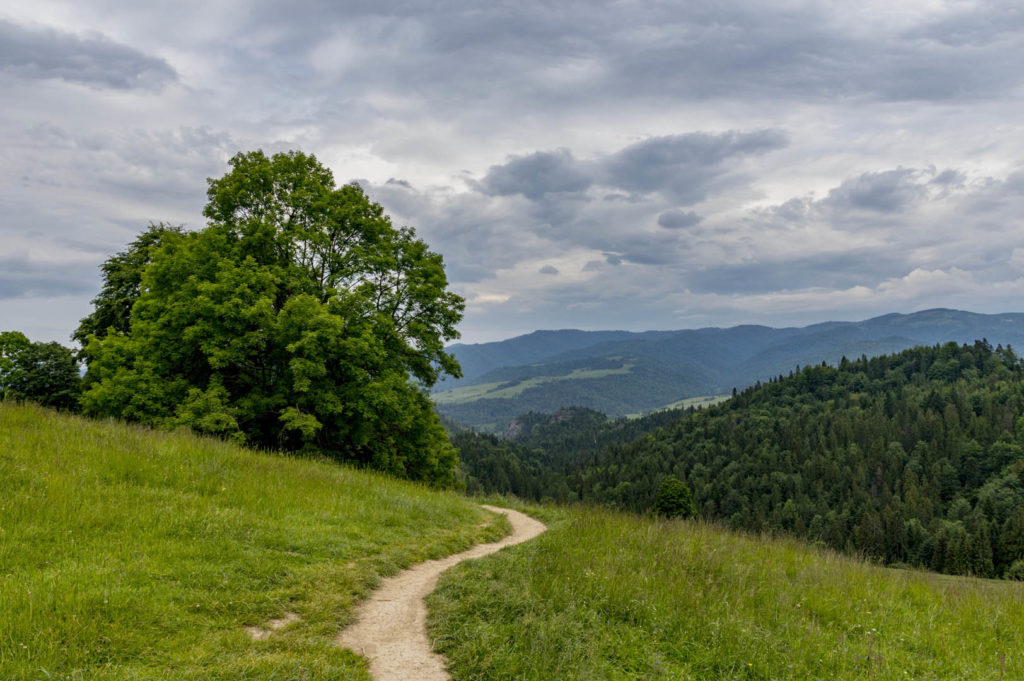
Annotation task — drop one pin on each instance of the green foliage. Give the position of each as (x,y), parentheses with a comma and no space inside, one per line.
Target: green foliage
(128,554)
(915,458)
(299,318)
(909,458)
(1016,571)
(538,453)
(674,499)
(46,373)
(603,595)
(122,281)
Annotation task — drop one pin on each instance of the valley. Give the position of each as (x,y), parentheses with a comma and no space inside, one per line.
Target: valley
(622,373)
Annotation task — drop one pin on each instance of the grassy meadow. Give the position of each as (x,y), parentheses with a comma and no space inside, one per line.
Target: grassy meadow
(603,595)
(485,391)
(132,554)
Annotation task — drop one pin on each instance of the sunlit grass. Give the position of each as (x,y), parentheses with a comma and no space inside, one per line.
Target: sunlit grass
(132,554)
(609,596)
(687,402)
(487,391)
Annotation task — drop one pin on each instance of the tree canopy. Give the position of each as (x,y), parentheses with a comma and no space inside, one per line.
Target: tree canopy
(300,317)
(913,458)
(46,373)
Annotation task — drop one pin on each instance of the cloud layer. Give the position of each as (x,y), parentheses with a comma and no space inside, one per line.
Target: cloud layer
(618,165)
(41,53)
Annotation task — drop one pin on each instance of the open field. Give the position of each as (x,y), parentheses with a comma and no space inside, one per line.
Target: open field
(132,554)
(610,596)
(686,403)
(485,391)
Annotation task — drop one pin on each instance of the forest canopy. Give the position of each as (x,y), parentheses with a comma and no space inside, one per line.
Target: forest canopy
(298,318)
(915,458)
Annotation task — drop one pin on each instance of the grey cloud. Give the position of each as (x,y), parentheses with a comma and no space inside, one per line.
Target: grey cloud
(97,61)
(891,191)
(167,167)
(649,249)
(22,277)
(685,166)
(477,234)
(950,177)
(535,175)
(678,219)
(1015,182)
(663,50)
(976,25)
(826,270)
(548,269)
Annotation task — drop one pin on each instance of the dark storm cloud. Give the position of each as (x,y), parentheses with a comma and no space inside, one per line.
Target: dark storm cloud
(45,53)
(535,175)
(678,219)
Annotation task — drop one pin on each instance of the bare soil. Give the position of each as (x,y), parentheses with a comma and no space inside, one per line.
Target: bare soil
(391,626)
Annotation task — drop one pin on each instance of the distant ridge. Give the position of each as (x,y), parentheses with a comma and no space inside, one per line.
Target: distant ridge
(623,372)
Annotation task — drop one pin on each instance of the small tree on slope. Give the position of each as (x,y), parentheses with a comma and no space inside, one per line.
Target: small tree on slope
(674,499)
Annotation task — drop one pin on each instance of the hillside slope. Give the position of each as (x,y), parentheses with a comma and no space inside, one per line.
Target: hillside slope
(132,554)
(916,458)
(611,596)
(641,372)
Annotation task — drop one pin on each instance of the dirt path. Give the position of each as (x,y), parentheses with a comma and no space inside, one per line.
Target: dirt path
(391,626)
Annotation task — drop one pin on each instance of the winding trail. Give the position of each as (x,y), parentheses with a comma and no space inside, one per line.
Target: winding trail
(391,626)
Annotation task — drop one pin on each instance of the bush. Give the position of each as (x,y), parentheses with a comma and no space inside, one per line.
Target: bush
(1015,571)
(674,499)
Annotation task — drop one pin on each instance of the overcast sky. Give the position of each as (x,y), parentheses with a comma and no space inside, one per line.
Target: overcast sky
(620,165)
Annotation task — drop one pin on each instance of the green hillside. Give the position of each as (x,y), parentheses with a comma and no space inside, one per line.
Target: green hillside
(604,596)
(132,554)
(914,458)
(622,373)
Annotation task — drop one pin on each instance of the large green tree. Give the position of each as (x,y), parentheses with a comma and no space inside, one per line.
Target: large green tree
(122,279)
(300,317)
(46,373)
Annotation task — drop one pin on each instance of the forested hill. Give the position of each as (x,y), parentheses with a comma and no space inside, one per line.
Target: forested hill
(910,458)
(622,373)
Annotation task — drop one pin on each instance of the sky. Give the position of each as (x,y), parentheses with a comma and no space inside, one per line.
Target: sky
(598,165)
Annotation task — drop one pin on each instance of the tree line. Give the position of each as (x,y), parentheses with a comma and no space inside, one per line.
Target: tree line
(915,458)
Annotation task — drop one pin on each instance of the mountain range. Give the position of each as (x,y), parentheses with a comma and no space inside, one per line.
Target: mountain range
(623,373)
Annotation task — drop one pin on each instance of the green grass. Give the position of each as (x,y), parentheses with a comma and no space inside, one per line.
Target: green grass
(609,596)
(132,554)
(487,391)
(686,402)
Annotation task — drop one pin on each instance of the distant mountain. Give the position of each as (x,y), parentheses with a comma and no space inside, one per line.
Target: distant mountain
(479,358)
(622,373)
